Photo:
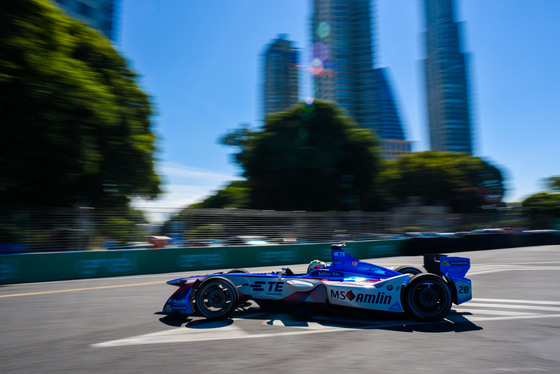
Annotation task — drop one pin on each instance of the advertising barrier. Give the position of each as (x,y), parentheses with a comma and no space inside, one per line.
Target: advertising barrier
(41,267)
(479,242)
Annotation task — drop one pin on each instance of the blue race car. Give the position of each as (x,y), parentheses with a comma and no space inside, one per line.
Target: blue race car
(423,293)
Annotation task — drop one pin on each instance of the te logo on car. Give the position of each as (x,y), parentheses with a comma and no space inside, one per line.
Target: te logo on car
(374,298)
(261,286)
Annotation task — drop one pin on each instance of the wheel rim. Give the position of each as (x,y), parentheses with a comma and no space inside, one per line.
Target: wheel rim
(430,298)
(216,299)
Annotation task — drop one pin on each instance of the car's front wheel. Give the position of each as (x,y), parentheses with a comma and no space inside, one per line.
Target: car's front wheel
(426,297)
(216,298)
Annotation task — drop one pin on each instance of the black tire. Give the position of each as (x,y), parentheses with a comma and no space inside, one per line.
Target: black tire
(426,297)
(216,298)
(232,271)
(409,269)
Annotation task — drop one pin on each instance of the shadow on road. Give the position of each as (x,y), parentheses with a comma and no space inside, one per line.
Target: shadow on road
(339,319)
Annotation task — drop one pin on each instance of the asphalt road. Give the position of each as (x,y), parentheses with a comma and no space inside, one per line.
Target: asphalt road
(112,325)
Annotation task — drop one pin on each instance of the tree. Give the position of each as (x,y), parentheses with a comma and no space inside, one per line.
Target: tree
(234,195)
(553,183)
(310,157)
(542,208)
(460,181)
(75,126)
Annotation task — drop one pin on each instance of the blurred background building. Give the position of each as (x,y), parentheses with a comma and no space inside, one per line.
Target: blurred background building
(342,66)
(447,86)
(281,85)
(389,129)
(99,14)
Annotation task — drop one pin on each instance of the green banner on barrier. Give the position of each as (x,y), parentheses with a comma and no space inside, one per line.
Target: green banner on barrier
(39,267)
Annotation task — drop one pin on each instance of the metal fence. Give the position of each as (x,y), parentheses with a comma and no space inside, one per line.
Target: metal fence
(234,226)
(32,230)
(62,229)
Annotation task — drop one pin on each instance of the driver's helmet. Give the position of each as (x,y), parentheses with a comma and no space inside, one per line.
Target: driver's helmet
(316,264)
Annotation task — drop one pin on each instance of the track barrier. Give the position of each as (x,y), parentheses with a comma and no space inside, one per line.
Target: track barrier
(53,266)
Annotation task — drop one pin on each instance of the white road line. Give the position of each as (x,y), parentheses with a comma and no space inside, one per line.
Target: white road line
(487,269)
(180,335)
(314,326)
(529,316)
(511,306)
(185,335)
(515,301)
(478,310)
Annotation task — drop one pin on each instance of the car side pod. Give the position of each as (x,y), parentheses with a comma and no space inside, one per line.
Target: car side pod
(301,285)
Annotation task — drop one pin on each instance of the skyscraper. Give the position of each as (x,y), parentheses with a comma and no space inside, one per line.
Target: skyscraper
(280,76)
(99,14)
(389,128)
(447,90)
(342,66)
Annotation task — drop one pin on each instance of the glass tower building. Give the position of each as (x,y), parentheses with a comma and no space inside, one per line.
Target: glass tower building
(447,90)
(342,67)
(389,126)
(99,14)
(280,76)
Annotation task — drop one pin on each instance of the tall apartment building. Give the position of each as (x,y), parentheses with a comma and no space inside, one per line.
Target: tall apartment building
(99,14)
(389,128)
(280,75)
(447,90)
(342,66)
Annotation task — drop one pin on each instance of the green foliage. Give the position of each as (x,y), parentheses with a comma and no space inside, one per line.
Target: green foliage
(310,157)
(553,183)
(75,126)
(122,226)
(209,231)
(238,137)
(460,181)
(59,229)
(542,208)
(235,195)
(120,229)
(543,202)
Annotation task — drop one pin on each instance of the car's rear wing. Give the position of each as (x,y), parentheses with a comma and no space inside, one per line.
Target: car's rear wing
(442,264)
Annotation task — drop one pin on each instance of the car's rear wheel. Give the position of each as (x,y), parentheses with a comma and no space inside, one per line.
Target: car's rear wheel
(216,298)
(409,269)
(426,297)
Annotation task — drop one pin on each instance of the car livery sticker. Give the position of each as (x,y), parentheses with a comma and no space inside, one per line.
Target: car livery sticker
(384,295)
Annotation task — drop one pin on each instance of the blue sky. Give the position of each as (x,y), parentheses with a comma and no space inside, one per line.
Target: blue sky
(201,62)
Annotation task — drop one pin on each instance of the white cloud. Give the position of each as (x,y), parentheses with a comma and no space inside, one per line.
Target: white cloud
(183,186)
(197,176)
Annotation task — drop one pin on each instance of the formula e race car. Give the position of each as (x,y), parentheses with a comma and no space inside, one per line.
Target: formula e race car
(423,293)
